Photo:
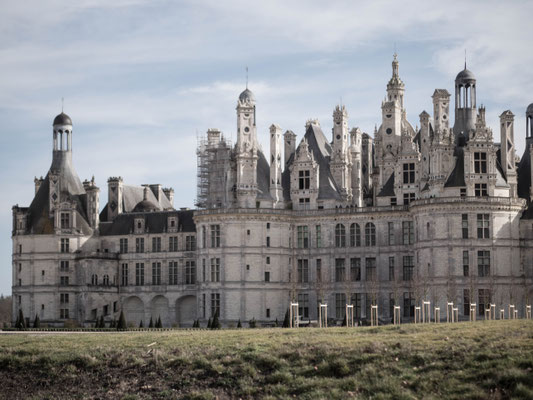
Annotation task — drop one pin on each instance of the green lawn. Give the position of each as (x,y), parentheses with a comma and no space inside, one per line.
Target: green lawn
(482,360)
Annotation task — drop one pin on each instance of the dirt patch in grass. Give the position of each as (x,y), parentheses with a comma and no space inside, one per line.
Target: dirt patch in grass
(483,360)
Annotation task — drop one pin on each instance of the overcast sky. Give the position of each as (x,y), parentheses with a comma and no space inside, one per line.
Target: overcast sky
(141,79)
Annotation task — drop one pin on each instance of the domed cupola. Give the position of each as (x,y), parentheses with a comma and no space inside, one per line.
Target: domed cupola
(62,119)
(145,205)
(247,96)
(465,76)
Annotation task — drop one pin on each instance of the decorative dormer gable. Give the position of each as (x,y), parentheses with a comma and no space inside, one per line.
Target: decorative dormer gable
(304,172)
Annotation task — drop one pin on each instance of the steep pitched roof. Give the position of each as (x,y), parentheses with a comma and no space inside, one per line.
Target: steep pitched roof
(155,222)
(388,188)
(263,177)
(457,177)
(524,172)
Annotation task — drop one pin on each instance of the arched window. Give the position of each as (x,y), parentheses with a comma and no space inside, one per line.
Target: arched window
(355,235)
(370,234)
(94,279)
(340,235)
(106,280)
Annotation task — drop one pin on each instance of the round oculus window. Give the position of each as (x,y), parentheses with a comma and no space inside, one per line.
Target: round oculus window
(338,137)
(246,129)
(389,131)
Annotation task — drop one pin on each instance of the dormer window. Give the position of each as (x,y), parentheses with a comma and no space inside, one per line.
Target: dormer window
(480,163)
(409,173)
(65,220)
(304,179)
(139,225)
(172,224)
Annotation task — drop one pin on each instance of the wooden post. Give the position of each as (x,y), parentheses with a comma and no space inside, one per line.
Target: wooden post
(515,314)
(511,311)
(417,314)
(493,311)
(323,315)
(449,312)
(374,316)
(502,313)
(436,313)
(528,312)
(397,314)
(294,317)
(349,315)
(473,308)
(455,314)
(426,311)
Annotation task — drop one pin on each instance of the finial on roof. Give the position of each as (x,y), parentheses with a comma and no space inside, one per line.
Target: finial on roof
(247,77)
(465,58)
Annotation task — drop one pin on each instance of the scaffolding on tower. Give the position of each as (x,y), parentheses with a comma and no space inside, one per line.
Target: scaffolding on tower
(213,170)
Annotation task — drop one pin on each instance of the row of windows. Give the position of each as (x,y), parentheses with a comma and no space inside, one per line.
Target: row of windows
(189,273)
(482,224)
(190,244)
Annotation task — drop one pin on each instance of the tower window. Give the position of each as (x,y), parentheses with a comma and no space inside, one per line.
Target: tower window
(65,220)
(480,163)
(481,189)
(408,173)
(304,179)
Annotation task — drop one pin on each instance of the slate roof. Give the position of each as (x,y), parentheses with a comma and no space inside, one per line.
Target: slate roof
(263,177)
(155,222)
(524,172)
(388,188)
(457,177)
(39,221)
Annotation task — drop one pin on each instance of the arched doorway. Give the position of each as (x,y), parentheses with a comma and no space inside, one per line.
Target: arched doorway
(160,309)
(134,311)
(186,310)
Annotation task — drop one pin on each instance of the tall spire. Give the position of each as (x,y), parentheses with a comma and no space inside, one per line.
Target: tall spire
(246,77)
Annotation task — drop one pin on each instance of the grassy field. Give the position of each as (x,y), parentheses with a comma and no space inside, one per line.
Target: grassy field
(483,360)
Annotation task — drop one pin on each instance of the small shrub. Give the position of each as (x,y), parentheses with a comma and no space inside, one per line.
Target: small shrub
(151,324)
(286,320)
(158,323)
(141,324)
(209,323)
(239,325)
(215,324)
(252,324)
(37,322)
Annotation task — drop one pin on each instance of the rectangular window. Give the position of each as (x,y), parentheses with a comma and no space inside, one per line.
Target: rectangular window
(305,203)
(408,173)
(356,302)
(215,270)
(63,298)
(480,163)
(483,300)
(65,245)
(392,303)
(139,274)
(268,312)
(268,241)
(63,266)
(156,273)
(303,271)
(319,270)
(318,231)
(106,310)
(408,198)
(190,272)
(65,220)
(63,313)
(370,269)
(480,190)
(215,304)
(466,263)
(355,269)
(408,304)
(124,274)
(215,235)
(339,270)
(204,305)
(139,245)
(483,263)
(466,301)
(408,268)
(340,305)
(173,273)
(156,245)
(267,276)
(63,280)
(464,225)
(204,237)
(115,306)
(393,201)
(463,192)
(408,232)
(173,244)
(303,305)
(204,274)
(303,236)
(304,180)
(391,268)
(268,260)
(190,243)
(123,245)
(392,241)
(483,230)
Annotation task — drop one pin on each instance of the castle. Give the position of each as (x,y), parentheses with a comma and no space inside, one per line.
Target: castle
(436,213)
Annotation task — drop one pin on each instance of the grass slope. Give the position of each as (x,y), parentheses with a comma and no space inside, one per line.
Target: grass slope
(483,360)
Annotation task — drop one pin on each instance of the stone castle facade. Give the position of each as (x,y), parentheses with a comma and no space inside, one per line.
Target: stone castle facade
(435,213)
